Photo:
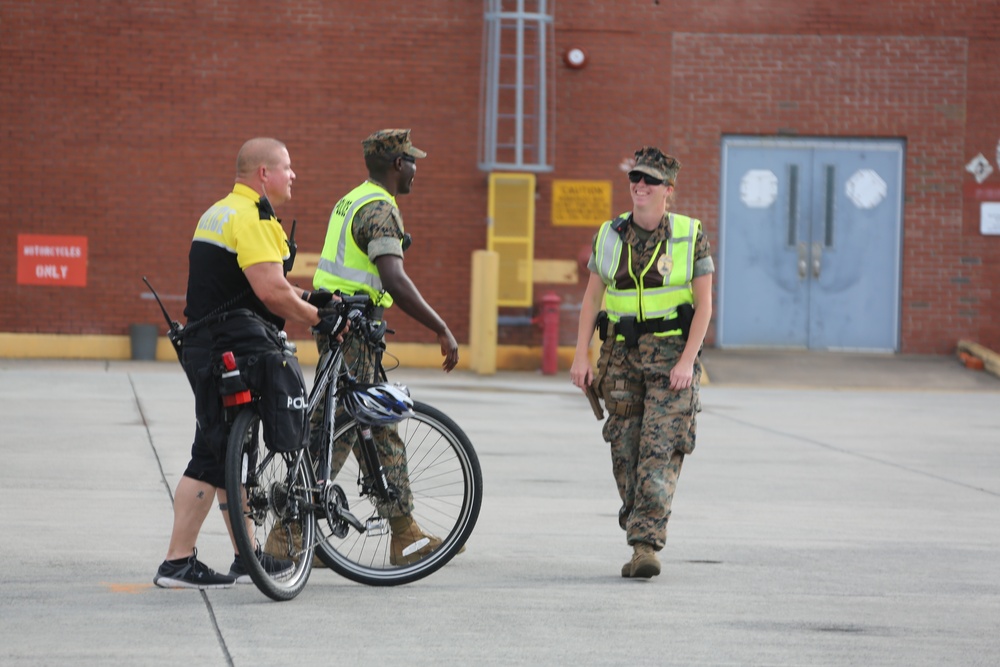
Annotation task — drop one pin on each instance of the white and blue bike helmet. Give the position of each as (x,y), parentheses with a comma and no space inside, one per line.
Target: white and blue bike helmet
(378,404)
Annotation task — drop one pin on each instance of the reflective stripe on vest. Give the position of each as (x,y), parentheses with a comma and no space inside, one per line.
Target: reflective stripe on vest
(649,295)
(343,265)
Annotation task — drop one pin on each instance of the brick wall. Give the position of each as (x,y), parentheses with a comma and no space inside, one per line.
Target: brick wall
(840,86)
(121,121)
(126,119)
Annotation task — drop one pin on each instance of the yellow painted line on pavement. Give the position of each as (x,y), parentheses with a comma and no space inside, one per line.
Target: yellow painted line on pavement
(130,589)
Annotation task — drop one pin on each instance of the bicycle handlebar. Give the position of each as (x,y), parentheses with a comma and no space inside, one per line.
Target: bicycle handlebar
(356,309)
(356,299)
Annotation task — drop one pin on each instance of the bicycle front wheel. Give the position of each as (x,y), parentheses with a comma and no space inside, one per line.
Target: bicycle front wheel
(446,484)
(275,491)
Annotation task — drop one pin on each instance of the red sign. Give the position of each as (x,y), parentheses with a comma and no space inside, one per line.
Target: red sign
(52,260)
(981,192)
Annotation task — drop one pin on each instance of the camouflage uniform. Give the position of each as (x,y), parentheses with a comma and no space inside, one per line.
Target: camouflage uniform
(649,441)
(378,231)
(650,427)
(391,450)
(390,143)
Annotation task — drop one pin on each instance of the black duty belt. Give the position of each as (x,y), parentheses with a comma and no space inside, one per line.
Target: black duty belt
(630,328)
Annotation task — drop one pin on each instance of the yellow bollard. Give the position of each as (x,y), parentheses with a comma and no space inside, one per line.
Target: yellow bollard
(483,312)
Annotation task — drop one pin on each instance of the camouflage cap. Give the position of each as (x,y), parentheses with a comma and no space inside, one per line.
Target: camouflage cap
(390,143)
(652,161)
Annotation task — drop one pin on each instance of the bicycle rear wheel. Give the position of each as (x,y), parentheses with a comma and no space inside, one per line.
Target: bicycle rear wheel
(447,486)
(276,493)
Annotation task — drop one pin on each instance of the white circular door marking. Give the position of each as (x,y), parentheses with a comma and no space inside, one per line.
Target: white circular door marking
(758,188)
(866,189)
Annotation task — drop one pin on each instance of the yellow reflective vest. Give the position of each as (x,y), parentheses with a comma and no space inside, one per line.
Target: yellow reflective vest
(343,265)
(660,286)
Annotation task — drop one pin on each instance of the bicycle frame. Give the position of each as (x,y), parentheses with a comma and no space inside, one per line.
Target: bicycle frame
(292,496)
(332,375)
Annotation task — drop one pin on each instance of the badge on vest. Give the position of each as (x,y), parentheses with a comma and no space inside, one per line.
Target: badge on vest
(664,265)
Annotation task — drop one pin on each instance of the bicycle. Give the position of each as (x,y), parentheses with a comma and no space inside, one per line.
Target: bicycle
(308,497)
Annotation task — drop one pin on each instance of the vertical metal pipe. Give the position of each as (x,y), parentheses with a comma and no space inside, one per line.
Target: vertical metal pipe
(492,83)
(541,96)
(519,111)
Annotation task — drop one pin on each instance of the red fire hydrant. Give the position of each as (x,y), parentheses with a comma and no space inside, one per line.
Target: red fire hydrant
(548,320)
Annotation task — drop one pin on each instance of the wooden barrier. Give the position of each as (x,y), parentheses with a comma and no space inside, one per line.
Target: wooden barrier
(990,359)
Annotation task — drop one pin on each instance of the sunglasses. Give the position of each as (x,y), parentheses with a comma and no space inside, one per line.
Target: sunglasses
(636,176)
(408,158)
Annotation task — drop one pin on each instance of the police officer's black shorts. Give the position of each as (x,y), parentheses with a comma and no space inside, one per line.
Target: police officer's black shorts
(204,466)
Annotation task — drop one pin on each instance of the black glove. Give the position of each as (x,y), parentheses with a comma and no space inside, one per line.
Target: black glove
(320,298)
(331,321)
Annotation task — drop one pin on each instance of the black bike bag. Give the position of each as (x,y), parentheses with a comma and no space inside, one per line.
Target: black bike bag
(268,367)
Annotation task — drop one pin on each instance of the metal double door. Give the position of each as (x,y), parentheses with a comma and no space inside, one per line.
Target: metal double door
(810,241)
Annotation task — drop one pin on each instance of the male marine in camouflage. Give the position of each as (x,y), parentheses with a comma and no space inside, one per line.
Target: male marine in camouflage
(363,254)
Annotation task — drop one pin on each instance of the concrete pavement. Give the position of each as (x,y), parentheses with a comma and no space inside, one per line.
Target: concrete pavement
(845,519)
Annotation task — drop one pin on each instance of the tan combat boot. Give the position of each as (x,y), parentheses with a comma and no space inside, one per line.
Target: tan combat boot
(277,543)
(409,543)
(644,564)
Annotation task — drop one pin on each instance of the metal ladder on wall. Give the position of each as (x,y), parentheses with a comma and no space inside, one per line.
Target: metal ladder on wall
(516,105)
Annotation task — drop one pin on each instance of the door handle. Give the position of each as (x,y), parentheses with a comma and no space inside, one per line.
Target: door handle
(803,266)
(817,257)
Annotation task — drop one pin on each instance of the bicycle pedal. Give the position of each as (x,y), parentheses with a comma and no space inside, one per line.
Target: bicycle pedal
(376,527)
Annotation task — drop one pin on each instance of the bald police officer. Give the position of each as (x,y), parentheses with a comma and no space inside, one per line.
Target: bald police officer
(236,287)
